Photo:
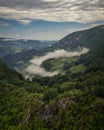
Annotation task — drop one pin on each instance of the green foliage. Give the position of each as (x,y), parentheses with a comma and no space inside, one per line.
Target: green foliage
(73,101)
(50,93)
(78,68)
(61,64)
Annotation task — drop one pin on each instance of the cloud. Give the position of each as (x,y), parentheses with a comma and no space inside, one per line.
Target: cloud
(25,22)
(53,10)
(35,64)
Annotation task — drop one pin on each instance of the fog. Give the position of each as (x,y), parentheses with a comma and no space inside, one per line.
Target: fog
(34,67)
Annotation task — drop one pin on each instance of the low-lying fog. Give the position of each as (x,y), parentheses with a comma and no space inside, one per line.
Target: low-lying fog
(35,68)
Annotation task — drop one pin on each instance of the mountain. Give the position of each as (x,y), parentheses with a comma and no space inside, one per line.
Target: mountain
(87,38)
(12,46)
(13,59)
(71,101)
(90,38)
(17,52)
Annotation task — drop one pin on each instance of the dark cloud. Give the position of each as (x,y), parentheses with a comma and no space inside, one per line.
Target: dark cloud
(23,4)
(30,4)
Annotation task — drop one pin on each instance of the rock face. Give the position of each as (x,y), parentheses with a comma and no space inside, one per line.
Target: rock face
(51,110)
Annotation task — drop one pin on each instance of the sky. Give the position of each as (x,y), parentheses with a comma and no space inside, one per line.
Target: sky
(48,19)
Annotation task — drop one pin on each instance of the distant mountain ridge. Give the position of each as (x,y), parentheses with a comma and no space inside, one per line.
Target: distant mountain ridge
(12,46)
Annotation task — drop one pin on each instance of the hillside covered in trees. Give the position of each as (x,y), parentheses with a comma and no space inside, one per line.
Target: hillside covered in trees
(70,101)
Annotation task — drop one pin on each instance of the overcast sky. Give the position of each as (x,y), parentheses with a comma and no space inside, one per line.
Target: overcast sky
(48,19)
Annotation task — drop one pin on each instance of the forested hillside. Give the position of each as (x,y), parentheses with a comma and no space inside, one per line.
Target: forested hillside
(73,100)
(87,38)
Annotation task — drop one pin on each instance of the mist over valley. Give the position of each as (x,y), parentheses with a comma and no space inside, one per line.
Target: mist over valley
(35,68)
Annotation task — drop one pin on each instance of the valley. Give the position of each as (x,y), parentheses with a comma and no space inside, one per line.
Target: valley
(66,90)
(35,66)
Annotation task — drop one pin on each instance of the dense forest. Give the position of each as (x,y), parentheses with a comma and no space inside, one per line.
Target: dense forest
(70,101)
